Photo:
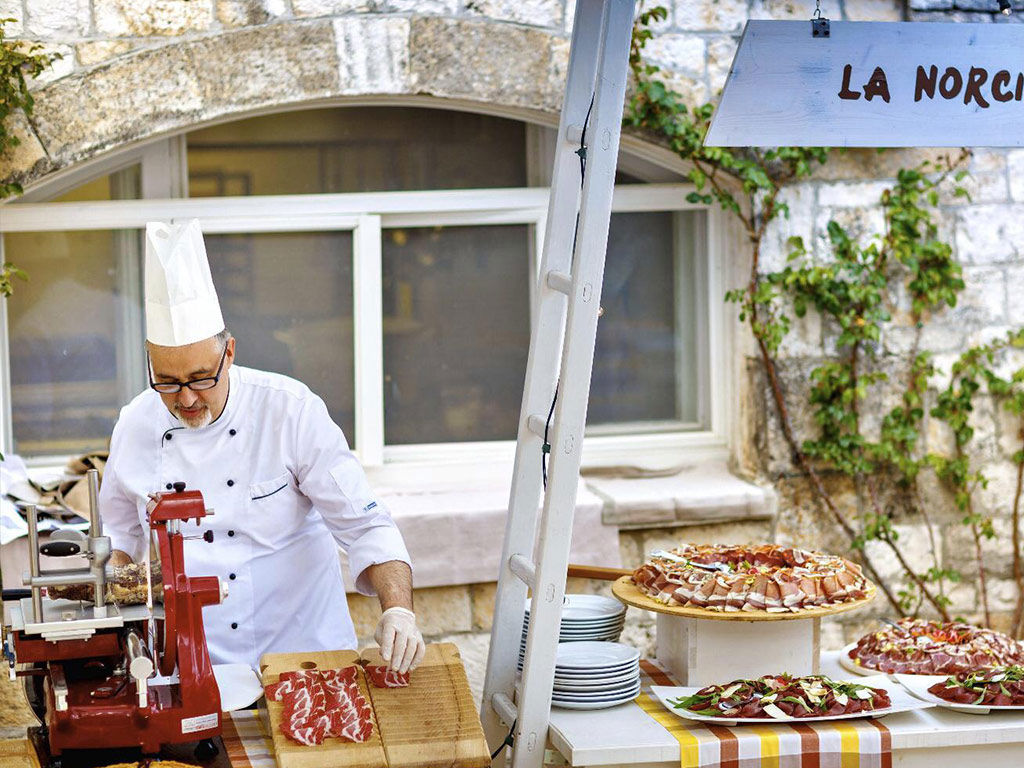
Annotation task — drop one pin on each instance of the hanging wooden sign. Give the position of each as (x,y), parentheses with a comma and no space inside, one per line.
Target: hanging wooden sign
(874,84)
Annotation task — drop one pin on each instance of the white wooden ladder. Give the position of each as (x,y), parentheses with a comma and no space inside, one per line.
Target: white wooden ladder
(561,356)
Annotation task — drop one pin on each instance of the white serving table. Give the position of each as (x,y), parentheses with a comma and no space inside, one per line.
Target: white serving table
(927,738)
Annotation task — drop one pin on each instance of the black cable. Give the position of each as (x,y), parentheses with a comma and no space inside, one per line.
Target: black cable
(582,153)
(506,743)
(545,449)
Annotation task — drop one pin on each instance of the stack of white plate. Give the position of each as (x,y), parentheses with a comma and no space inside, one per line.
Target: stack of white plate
(595,675)
(584,617)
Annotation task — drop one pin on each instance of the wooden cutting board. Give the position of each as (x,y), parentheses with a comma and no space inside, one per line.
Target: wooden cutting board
(333,753)
(18,753)
(432,723)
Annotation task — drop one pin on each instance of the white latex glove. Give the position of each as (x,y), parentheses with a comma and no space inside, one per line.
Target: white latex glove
(401,644)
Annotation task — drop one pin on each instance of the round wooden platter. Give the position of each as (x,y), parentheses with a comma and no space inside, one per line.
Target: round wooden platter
(626,591)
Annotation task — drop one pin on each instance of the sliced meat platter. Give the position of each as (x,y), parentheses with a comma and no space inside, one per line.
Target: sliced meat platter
(782,697)
(750,578)
(995,687)
(920,647)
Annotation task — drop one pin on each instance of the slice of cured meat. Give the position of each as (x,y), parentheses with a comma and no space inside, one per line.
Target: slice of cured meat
(320,704)
(382,677)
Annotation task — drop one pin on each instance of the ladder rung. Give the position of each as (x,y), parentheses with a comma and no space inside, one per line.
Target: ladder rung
(537,425)
(523,567)
(560,281)
(506,710)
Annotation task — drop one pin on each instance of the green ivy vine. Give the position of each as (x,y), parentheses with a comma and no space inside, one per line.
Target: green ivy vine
(19,63)
(855,291)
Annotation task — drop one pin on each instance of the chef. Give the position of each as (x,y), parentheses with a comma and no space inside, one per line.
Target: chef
(277,471)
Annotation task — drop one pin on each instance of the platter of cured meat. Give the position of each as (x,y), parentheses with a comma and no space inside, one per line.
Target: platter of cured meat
(745,583)
(978,692)
(347,710)
(782,698)
(921,647)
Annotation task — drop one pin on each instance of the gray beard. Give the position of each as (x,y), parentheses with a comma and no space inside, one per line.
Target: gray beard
(204,420)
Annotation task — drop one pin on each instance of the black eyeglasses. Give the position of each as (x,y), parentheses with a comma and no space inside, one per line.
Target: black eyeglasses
(196,385)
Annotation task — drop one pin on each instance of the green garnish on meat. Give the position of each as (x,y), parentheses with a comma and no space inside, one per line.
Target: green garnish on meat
(803,696)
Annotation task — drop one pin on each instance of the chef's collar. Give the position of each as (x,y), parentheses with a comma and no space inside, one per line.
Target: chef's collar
(225,415)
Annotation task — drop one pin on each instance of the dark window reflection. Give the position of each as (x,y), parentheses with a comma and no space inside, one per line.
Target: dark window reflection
(287,299)
(456,332)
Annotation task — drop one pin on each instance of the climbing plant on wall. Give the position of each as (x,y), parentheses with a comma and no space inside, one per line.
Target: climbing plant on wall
(19,63)
(854,291)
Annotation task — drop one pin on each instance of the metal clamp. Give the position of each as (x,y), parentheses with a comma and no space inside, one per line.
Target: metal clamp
(819,24)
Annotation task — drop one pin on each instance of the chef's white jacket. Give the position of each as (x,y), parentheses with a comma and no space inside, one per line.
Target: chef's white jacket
(285,490)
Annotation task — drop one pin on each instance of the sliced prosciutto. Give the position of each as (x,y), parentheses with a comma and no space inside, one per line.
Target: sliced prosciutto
(382,677)
(321,704)
(754,578)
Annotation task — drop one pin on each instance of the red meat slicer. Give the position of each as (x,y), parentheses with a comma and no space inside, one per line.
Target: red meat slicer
(96,661)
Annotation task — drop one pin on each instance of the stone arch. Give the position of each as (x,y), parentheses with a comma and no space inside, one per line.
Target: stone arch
(153,92)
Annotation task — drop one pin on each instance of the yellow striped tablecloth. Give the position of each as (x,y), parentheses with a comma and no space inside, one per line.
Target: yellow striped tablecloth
(842,744)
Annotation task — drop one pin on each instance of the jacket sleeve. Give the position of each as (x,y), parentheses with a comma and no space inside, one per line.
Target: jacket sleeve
(118,509)
(330,476)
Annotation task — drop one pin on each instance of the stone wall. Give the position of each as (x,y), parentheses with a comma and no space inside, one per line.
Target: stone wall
(138,69)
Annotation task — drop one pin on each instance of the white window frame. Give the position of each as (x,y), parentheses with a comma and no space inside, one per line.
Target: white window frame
(366,215)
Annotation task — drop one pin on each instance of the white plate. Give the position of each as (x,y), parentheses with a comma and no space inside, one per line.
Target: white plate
(592,704)
(239,686)
(594,655)
(621,693)
(918,685)
(583,607)
(622,669)
(595,631)
(588,674)
(900,700)
(617,685)
(592,682)
(598,639)
(582,635)
(583,623)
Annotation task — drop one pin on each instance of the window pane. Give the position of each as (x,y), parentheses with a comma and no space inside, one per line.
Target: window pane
(647,362)
(456,332)
(123,185)
(287,299)
(356,149)
(75,337)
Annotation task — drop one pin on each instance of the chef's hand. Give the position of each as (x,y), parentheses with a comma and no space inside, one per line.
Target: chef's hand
(401,644)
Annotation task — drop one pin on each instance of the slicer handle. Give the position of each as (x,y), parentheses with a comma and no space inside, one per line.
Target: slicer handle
(59,548)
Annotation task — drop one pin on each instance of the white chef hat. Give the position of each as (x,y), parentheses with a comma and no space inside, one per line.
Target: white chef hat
(181,302)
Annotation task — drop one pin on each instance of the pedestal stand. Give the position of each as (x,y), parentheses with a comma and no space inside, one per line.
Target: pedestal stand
(701,647)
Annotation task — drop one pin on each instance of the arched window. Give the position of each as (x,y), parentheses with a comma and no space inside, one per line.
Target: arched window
(386,256)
